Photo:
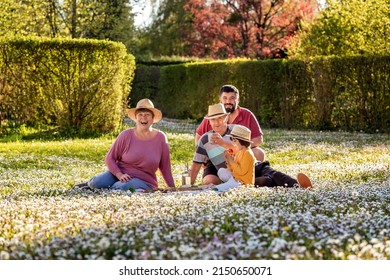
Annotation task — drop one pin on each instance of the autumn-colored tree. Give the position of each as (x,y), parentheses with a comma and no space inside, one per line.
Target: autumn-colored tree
(212,35)
(246,28)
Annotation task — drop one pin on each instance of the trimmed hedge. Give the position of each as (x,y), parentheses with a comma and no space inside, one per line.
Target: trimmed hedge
(77,84)
(352,93)
(348,93)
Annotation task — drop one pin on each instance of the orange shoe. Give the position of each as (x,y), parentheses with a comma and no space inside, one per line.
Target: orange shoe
(304,181)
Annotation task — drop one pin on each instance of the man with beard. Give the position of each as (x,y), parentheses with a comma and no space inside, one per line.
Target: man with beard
(229,96)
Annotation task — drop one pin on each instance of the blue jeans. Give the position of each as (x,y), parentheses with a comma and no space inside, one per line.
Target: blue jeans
(107,180)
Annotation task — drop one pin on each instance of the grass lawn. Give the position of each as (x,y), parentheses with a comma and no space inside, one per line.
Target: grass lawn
(346,216)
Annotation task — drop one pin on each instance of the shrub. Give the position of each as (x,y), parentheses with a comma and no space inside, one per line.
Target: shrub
(79,85)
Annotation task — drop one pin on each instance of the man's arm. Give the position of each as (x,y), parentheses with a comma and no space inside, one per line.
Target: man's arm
(250,121)
(220,141)
(194,171)
(197,137)
(203,127)
(257,141)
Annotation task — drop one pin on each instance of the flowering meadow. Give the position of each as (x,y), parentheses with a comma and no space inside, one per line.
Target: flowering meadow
(345,216)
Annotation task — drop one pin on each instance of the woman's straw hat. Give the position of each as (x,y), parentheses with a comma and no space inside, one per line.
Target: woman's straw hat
(145,104)
(241,132)
(216,111)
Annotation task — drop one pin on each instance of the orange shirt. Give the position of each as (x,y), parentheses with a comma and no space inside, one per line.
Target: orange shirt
(243,168)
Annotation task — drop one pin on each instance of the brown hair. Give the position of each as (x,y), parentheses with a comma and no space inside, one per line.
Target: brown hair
(242,142)
(229,88)
(143,110)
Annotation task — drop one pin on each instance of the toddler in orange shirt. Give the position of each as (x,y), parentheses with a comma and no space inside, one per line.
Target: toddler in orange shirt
(240,161)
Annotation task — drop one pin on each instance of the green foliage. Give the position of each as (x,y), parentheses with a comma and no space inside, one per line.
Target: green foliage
(181,149)
(170,25)
(352,92)
(172,94)
(112,20)
(29,17)
(349,93)
(275,91)
(185,89)
(350,27)
(165,60)
(79,85)
(144,84)
(98,19)
(147,76)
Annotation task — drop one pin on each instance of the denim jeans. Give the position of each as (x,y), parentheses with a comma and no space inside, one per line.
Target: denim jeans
(107,180)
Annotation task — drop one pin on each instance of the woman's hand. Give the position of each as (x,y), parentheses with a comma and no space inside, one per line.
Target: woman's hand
(123,177)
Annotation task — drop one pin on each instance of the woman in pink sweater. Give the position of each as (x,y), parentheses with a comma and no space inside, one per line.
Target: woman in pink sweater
(137,154)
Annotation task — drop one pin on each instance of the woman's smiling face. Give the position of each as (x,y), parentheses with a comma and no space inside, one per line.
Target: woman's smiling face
(144,117)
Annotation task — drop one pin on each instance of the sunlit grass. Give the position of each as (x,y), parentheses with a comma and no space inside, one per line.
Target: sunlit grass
(346,216)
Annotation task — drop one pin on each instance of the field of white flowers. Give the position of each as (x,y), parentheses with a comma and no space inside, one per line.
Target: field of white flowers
(345,216)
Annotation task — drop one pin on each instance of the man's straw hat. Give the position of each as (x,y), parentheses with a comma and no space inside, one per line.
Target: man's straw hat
(145,104)
(216,111)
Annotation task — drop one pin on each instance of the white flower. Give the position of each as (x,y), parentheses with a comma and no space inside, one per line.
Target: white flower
(4,255)
(104,243)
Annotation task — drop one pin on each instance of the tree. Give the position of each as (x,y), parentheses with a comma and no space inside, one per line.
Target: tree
(98,19)
(347,27)
(112,20)
(248,28)
(166,35)
(213,34)
(23,18)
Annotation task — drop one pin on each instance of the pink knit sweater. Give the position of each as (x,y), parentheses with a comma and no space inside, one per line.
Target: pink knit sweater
(139,158)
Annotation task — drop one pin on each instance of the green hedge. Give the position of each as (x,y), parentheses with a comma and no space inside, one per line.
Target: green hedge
(145,84)
(79,85)
(348,93)
(352,93)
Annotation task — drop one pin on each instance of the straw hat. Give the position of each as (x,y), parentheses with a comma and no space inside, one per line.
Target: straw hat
(145,104)
(216,111)
(241,132)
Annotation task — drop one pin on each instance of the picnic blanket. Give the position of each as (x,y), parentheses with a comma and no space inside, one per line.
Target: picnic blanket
(181,189)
